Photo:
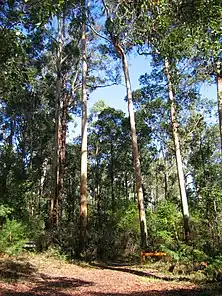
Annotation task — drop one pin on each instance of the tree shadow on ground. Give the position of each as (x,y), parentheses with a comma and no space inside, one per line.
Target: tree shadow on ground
(40,284)
(47,286)
(175,292)
(24,280)
(143,273)
(11,270)
(53,290)
(206,289)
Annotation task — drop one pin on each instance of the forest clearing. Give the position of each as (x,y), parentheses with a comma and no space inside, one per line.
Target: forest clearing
(40,275)
(111,147)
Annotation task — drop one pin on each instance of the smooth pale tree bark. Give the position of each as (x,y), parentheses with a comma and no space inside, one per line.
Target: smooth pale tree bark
(55,162)
(62,154)
(219,97)
(43,174)
(112,175)
(165,173)
(83,180)
(166,194)
(179,162)
(136,156)
(97,185)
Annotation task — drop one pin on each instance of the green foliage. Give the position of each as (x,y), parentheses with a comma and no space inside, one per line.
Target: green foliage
(65,239)
(199,255)
(164,226)
(214,269)
(128,220)
(5,211)
(54,252)
(128,230)
(187,254)
(12,237)
(189,35)
(35,230)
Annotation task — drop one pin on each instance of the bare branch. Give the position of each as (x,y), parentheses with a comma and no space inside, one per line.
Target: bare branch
(143,52)
(106,8)
(75,76)
(98,34)
(64,59)
(194,127)
(101,86)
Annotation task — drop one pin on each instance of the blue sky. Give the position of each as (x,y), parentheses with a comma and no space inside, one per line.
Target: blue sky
(114,95)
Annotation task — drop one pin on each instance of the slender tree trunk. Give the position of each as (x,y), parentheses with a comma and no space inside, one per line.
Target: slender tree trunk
(62,155)
(83,180)
(217,222)
(219,96)
(97,189)
(180,172)
(43,173)
(55,161)
(166,176)
(156,184)
(32,199)
(126,185)
(136,157)
(12,132)
(165,183)
(112,176)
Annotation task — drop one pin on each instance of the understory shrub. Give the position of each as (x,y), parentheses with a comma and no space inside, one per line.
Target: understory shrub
(164,227)
(12,237)
(114,235)
(214,269)
(128,230)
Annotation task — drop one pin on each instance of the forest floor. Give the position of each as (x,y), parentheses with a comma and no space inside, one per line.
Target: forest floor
(36,275)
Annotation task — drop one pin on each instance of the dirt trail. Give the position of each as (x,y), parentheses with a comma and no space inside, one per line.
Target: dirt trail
(41,276)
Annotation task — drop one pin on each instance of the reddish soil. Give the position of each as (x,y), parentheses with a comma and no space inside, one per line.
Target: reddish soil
(39,275)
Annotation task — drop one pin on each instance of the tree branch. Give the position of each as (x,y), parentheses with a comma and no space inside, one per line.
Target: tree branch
(101,86)
(98,34)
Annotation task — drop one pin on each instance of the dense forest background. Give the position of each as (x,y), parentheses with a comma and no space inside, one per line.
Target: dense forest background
(147,180)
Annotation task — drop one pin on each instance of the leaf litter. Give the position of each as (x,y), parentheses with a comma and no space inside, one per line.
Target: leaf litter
(38,275)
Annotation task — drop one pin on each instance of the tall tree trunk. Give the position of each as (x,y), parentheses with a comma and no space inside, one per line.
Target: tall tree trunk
(156,184)
(42,177)
(97,186)
(136,157)
(179,162)
(219,96)
(112,175)
(166,175)
(55,161)
(126,185)
(12,131)
(62,155)
(83,180)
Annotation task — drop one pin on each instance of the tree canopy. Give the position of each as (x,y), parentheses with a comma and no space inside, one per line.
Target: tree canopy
(164,157)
